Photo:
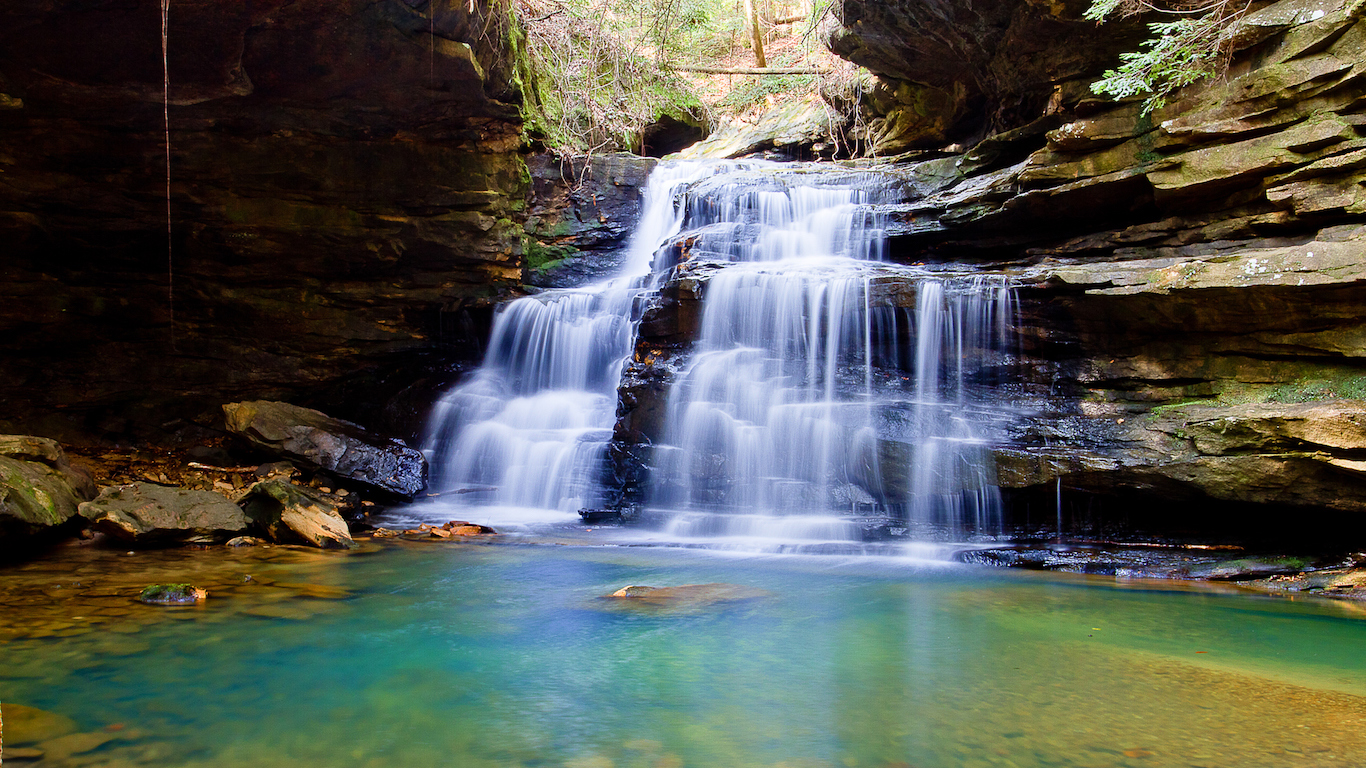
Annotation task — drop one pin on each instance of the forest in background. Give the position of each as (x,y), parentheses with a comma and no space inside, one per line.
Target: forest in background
(603,71)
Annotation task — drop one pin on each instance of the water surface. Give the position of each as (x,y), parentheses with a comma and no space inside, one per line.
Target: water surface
(408,654)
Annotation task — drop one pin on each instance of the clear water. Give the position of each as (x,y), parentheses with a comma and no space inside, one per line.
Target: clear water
(408,654)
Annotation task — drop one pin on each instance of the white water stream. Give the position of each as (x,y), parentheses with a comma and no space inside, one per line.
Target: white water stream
(828,394)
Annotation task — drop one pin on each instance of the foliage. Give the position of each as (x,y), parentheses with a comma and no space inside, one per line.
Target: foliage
(1189,48)
(596,77)
(598,72)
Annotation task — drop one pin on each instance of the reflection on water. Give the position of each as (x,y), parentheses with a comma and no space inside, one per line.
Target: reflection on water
(508,655)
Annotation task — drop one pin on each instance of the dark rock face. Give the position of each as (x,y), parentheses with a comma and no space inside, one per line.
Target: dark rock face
(955,68)
(322,442)
(145,512)
(346,189)
(582,212)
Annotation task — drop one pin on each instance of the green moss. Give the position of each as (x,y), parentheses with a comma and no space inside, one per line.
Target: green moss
(541,257)
(1316,384)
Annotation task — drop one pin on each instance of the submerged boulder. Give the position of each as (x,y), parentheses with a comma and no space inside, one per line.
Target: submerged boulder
(39,490)
(151,512)
(30,725)
(319,441)
(686,596)
(292,514)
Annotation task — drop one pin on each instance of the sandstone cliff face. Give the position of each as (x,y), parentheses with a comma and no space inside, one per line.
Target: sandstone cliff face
(346,190)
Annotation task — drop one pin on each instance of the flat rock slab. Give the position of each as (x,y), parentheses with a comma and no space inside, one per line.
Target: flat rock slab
(315,439)
(146,511)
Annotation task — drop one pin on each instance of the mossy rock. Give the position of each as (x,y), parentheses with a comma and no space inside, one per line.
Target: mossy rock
(34,497)
(172,594)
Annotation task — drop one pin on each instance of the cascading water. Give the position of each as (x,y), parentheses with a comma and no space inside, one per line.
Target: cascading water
(829,393)
(530,427)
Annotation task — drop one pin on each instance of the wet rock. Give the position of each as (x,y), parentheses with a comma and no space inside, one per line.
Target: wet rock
(39,490)
(1344,583)
(30,725)
(339,447)
(245,541)
(172,594)
(582,210)
(453,529)
(291,513)
(147,512)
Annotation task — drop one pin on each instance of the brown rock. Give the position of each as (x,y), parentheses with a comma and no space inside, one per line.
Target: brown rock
(294,513)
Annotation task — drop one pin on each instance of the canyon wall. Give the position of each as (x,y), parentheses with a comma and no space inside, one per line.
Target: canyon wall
(346,201)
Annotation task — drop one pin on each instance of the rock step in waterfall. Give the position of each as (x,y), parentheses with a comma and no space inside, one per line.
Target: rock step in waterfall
(824,384)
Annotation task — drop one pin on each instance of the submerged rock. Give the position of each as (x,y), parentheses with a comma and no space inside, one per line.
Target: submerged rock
(151,512)
(30,725)
(172,594)
(291,513)
(322,442)
(687,595)
(63,747)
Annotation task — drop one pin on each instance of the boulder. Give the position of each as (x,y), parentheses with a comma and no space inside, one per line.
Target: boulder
(39,490)
(292,514)
(147,512)
(319,441)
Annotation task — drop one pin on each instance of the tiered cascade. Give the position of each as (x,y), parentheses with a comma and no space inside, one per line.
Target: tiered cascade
(826,386)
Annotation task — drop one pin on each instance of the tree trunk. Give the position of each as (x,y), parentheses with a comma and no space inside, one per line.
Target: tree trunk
(756,35)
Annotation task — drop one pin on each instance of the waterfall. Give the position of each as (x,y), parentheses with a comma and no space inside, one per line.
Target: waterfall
(530,426)
(826,387)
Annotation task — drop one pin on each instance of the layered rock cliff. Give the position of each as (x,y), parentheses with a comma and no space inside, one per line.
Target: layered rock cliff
(1192,282)
(346,194)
